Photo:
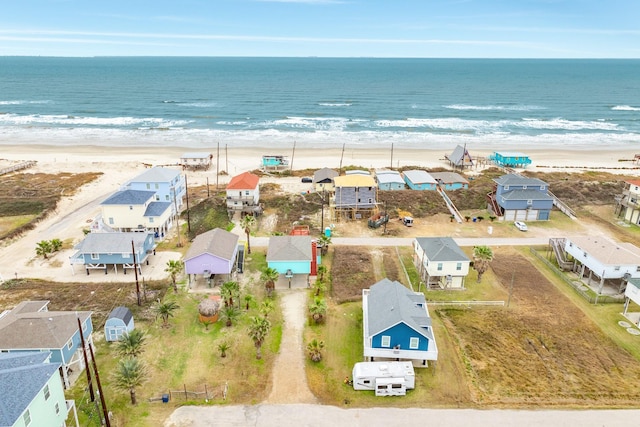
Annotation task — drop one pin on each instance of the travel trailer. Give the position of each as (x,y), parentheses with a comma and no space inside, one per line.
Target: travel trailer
(385,378)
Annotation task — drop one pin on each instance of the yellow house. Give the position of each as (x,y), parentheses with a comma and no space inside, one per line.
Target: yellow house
(136,210)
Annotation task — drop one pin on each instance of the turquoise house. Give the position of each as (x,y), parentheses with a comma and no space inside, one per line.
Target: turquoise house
(419,180)
(511,159)
(291,256)
(30,326)
(274,162)
(31,392)
(450,180)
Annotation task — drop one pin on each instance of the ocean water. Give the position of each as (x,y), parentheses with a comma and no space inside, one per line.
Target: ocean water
(318,102)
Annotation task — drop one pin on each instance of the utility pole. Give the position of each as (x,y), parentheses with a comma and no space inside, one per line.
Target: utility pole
(104,405)
(135,270)
(226,158)
(175,204)
(208,193)
(292,154)
(86,362)
(218,165)
(186,187)
(341,157)
(391,167)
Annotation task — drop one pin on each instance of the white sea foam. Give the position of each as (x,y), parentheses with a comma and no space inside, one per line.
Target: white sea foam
(494,107)
(19,102)
(625,108)
(335,104)
(66,120)
(199,104)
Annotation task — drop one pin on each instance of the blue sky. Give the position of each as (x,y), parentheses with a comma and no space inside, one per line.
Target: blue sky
(326,28)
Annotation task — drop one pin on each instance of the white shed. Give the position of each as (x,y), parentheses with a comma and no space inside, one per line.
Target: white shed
(385,378)
(120,320)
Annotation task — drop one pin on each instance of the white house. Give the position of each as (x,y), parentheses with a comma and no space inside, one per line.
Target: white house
(440,262)
(137,210)
(243,193)
(600,259)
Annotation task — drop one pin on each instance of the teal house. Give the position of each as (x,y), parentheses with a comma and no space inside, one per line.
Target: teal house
(419,180)
(512,159)
(396,324)
(31,392)
(291,256)
(30,326)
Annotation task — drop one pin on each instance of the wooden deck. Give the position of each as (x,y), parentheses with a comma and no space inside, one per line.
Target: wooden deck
(17,167)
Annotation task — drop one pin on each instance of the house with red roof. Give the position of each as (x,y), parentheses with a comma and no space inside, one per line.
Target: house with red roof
(628,203)
(243,193)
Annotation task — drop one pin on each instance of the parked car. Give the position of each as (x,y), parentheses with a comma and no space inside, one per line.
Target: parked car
(307,179)
(520,225)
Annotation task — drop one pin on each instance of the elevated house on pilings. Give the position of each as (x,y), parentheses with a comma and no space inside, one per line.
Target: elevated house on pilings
(519,198)
(628,203)
(356,196)
(196,161)
(604,265)
(460,158)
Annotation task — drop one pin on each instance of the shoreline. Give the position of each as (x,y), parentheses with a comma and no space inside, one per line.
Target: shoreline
(618,160)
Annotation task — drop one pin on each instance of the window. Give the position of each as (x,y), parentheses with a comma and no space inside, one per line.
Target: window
(130,207)
(27,418)
(246,193)
(524,187)
(529,202)
(414,342)
(439,266)
(70,344)
(157,198)
(506,187)
(617,268)
(110,220)
(47,393)
(95,256)
(386,341)
(57,408)
(148,186)
(459,266)
(542,188)
(125,255)
(166,197)
(151,219)
(157,186)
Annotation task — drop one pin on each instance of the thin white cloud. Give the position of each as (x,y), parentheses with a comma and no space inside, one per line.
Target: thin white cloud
(302,1)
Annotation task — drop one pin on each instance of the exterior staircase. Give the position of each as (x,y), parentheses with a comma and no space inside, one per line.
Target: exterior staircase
(452,208)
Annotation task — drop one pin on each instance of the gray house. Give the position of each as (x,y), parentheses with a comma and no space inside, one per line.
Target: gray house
(459,158)
(355,196)
(119,322)
(99,251)
(323,180)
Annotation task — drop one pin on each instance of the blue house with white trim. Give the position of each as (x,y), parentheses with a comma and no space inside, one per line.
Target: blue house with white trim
(30,326)
(418,179)
(167,184)
(389,180)
(31,392)
(99,251)
(396,324)
(290,255)
(519,198)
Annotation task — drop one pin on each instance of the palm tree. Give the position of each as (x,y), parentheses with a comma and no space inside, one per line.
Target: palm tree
(319,287)
(313,348)
(165,311)
(248,299)
(258,331)
(247,223)
(229,314)
(318,309)
(43,248)
(324,241)
(229,291)
(174,267)
(129,374)
(222,348)
(131,343)
(56,245)
(321,272)
(269,276)
(482,256)
(266,307)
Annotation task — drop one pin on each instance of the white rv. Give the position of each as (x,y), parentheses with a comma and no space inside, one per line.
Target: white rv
(385,378)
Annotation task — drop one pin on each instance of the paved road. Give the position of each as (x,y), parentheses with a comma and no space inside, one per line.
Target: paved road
(331,416)
(400,241)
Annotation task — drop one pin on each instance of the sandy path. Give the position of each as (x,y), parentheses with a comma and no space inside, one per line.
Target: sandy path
(289,377)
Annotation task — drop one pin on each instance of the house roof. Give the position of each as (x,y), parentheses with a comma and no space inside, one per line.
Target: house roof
(511,154)
(108,243)
(607,251)
(418,176)
(389,177)
(122,313)
(156,174)
(195,155)
(217,242)
(457,157)
(518,180)
(22,377)
(289,248)
(30,307)
(391,303)
(244,181)
(633,182)
(526,195)
(441,249)
(157,208)
(355,180)
(449,177)
(39,330)
(129,197)
(324,174)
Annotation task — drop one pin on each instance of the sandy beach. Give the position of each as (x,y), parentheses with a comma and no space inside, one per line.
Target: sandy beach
(118,165)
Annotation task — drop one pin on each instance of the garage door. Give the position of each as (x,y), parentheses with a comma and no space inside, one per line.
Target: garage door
(532,215)
(509,215)
(521,215)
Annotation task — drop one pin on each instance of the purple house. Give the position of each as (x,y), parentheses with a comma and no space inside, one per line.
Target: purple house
(212,253)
